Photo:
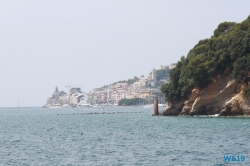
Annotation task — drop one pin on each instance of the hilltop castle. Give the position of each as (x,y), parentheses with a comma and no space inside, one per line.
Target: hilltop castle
(58,98)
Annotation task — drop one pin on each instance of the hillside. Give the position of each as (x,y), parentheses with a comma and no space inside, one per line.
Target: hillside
(161,74)
(225,55)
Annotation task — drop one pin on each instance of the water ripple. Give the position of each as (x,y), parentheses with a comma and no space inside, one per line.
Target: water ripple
(41,137)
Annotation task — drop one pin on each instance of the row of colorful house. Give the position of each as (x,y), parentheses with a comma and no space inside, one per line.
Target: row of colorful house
(113,94)
(146,87)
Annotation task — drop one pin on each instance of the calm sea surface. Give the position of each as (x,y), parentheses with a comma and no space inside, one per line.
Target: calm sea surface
(36,136)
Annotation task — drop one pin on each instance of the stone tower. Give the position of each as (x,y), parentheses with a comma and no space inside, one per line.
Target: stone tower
(56,89)
(154,75)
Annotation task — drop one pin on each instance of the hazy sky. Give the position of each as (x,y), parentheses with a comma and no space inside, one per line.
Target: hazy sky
(45,43)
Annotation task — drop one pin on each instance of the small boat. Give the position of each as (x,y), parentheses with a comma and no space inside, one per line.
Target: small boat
(148,106)
(101,109)
(84,105)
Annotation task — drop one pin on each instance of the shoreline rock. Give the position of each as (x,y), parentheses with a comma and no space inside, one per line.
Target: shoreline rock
(224,96)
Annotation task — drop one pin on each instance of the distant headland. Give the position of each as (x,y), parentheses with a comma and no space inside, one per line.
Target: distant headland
(135,91)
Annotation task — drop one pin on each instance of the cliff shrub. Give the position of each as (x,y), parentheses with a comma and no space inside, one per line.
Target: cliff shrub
(246,92)
(227,50)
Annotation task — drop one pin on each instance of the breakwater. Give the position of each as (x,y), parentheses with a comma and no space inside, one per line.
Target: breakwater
(96,113)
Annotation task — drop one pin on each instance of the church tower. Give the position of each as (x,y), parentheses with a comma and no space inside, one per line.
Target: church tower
(154,79)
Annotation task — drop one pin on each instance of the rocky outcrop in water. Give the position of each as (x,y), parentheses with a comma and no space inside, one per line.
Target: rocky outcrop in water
(172,109)
(224,96)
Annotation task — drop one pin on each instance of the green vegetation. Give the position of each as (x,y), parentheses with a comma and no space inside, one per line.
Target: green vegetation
(132,80)
(247,92)
(226,52)
(129,81)
(162,73)
(129,102)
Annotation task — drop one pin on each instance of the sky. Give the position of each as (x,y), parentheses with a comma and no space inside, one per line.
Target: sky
(92,43)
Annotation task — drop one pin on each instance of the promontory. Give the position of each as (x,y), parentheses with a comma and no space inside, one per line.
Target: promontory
(214,77)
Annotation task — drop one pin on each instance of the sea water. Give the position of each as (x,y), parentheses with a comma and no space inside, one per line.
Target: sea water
(128,136)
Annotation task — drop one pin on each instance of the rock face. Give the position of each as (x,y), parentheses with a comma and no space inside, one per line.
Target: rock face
(172,109)
(223,96)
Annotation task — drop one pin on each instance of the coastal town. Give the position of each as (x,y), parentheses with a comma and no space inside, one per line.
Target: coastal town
(144,87)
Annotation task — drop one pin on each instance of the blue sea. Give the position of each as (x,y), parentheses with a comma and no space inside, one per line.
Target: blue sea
(128,136)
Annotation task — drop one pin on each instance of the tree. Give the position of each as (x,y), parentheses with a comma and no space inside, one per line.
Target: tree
(239,69)
(226,52)
(223,27)
(162,73)
(200,71)
(129,102)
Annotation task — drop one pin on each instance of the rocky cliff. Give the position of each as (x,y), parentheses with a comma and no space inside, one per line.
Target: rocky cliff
(224,96)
